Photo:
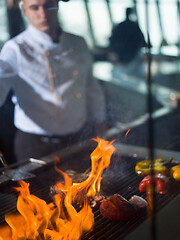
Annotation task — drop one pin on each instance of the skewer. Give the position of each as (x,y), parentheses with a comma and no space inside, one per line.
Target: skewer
(3,161)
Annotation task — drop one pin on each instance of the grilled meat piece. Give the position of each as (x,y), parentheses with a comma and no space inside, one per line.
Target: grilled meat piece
(117,208)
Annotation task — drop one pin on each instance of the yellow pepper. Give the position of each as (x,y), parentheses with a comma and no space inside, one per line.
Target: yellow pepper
(143,167)
(175,172)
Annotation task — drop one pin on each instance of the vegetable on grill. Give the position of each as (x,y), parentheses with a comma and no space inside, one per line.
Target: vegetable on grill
(175,172)
(144,167)
(159,181)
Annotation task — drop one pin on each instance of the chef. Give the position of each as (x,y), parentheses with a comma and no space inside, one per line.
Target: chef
(55,95)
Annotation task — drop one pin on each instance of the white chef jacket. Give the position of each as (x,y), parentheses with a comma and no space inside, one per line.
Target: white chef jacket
(55,93)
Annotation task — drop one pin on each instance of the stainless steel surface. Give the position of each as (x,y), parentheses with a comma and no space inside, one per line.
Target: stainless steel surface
(17,174)
(14,174)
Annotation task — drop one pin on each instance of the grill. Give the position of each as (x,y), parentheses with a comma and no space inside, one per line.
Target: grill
(119,178)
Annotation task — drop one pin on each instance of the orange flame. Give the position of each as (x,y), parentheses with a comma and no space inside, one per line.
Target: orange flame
(59,220)
(127,132)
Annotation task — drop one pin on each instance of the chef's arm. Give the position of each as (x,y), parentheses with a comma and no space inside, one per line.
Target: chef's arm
(7,77)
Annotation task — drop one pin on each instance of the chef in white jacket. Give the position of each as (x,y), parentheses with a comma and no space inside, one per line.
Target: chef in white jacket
(55,94)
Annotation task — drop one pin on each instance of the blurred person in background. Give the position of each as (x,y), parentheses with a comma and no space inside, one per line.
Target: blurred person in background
(15,19)
(57,100)
(125,44)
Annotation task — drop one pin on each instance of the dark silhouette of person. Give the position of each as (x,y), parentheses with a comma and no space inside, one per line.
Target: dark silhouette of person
(15,19)
(126,39)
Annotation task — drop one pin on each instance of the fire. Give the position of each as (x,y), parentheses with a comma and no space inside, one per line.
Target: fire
(127,132)
(37,220)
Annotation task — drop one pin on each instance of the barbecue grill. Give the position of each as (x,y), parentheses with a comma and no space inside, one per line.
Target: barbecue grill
(119,178)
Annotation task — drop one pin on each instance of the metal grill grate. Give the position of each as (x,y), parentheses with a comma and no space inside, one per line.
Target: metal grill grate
(118,178)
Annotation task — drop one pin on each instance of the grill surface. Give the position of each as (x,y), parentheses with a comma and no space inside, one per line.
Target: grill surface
(119,178)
